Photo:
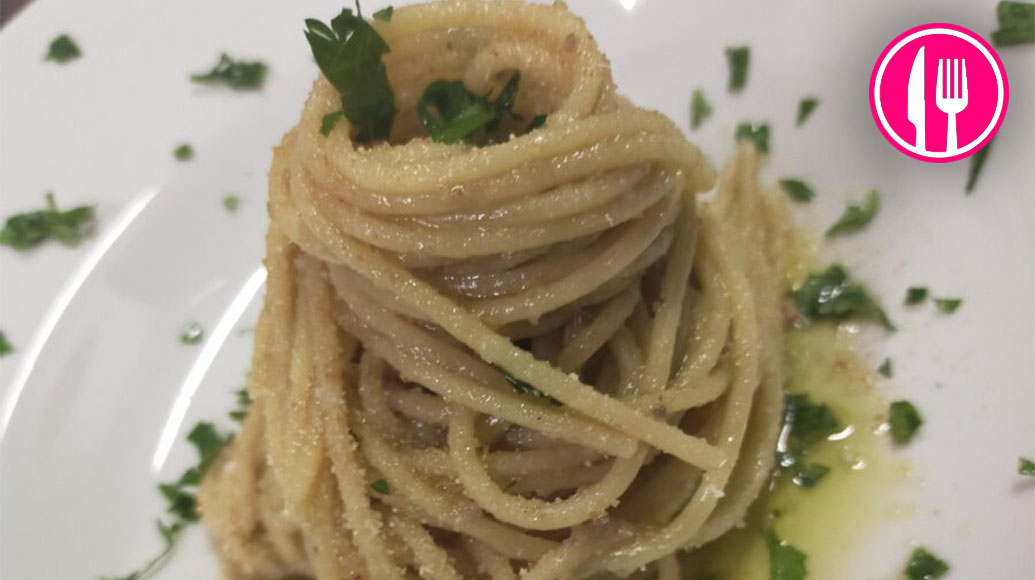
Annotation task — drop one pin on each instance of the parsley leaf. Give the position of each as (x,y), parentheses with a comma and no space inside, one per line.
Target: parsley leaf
(948,305)
(384,14)
(348,53)
(856,217)
(236,74)
(510,485)
(1026,467)
(805,108)
(330,121)
(785,561)
(808,475)
(6,347)
(915,295)
(244,403)
(904,420)
(829,295)
(460,113)
(192,333)
(27,230)
(977,162)
(381,487)
(208,442)
(182,504)
(924,565)
(757,133)
(184,152)
(797,190)
(808,422)
(700,109)
(885,368)
(739,58)
(63,49)
(231,201)
(527,389)
(1016,23)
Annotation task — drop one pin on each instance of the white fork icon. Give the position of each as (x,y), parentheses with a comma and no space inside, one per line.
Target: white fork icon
(951,96)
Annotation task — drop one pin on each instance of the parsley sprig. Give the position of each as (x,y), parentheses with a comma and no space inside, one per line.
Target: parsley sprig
(450,113)
(785,561)
(830,295)
(856,216)
(25,231)
(236,74)
(805,423)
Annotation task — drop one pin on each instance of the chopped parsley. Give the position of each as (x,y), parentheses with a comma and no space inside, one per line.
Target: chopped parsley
(1016,23)
(924,565)
(460,115)
(510,485)
(184,152)
(700,109)
(181,501)
(739,59)
(384,14)
(244,403)
(885,368)
(348,53)
(797,190)
(231,201)
(236,74)
(785,561)
(948,305)
(25,231)
(757,133)
(192,333)
(977,162)
(915,295)
(329,122)
(63,49)
(804,424)
(6,347)
(381,487)
(856,217)
(527,389)
(805,108)
(904,420)
(830,295)
(808,475)
(1026,467)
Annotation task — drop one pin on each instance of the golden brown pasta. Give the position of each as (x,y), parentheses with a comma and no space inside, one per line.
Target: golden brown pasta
(543,357)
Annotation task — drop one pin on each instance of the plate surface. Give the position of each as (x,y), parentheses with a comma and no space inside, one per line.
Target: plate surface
(96,401)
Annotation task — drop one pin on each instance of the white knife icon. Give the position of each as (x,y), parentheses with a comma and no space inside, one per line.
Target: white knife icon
(915,104)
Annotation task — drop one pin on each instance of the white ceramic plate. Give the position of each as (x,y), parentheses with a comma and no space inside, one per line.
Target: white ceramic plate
(96,400)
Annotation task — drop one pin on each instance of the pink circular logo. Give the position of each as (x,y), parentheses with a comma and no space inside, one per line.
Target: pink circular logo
(938,93)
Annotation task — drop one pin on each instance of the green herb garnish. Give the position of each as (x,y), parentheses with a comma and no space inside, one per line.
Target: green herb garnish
(948,305)
(236,74)
(924,565)
(885,368)
(192,333)
(27,230)
(797,190)
(6,347)
(808,475)
(231,201)
(805,108)
(915,295)
(830,295)
(510,485)
(738,58)
(757,133)
(329,122)
(1026,467)
(1016,23)
(244,403)
(527,389)
(808,422)
(384,14)
(63,49)
(381,487)
(460,115)
(785,561)
(170,534)
(856,217)
(904,420)
(184,152)
(348,53)
(700,109)
(977,162)
(537,122)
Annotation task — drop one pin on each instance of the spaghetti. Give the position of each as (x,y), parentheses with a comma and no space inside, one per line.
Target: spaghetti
(542,356)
